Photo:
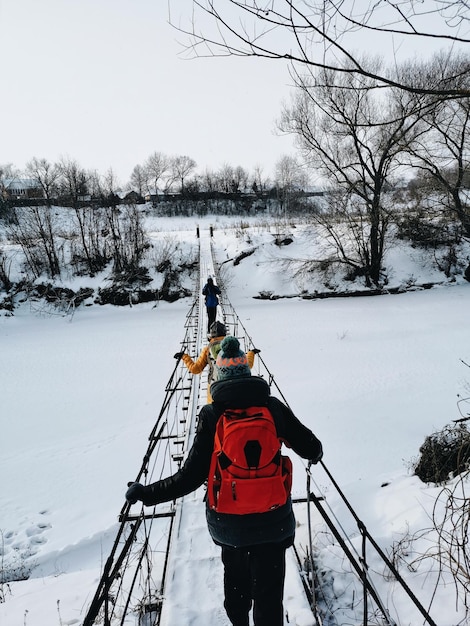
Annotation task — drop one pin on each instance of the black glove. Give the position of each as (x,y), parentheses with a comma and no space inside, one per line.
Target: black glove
(178,355)
(135,492)
(255,350)
(316,459)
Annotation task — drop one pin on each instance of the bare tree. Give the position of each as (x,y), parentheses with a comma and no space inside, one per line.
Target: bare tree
(47,175)
(225,177)
(135,237)
(138,180)
(443,153)
(324,33)
(208,181)
(260,183)
(240,178)
(7,170)
(353,137)
(94,184)
(35,230)
(182,167)
(5,269)
(127,238)
(231,179)
(73,181)
(110,186)
(156,166)
(89,245)
(289,178)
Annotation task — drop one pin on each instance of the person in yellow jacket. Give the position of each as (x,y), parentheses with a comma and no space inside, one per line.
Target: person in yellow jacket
(208,356)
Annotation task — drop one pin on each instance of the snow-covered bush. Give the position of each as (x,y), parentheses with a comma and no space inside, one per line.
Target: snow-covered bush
(444,454)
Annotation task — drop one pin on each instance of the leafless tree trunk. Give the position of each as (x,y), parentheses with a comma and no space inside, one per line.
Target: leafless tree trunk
(353,136)
(260,183)
(444,150)
(289,178)
(182,167)
(225,178)
(7,170)
(36,232)
(127,236)
(240,178)
(109,188)
(81,217)
(208,181)
(5,268)
(134,235)
(138,180)
(47,175)
(116,239)
(73,182)
(89,246)
(156,167)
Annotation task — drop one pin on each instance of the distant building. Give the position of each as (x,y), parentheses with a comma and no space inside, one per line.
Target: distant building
(153,195)
(131,197)
(20,188)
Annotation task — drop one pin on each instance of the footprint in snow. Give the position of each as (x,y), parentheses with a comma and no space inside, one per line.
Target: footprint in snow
(9,536)
(37,529)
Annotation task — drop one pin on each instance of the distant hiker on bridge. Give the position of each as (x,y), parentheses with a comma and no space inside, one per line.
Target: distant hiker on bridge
(211,292)
(208,356)
(248,505)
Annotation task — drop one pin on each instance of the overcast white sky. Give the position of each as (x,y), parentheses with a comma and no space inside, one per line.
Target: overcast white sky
(100,81)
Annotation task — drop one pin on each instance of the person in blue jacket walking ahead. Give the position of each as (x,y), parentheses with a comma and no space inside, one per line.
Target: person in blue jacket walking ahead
(211,292)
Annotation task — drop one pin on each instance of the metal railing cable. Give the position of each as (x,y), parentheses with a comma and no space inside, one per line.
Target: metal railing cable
(367,537)
(133,578)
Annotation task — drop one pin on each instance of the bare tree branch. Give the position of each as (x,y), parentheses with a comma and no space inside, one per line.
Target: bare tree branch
(321,33)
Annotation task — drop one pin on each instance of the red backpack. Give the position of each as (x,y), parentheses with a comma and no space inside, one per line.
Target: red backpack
(248,474)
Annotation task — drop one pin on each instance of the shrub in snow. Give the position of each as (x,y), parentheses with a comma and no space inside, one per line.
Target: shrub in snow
(444,454)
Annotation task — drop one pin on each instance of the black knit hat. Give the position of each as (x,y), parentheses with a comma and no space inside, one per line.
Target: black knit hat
(217,329)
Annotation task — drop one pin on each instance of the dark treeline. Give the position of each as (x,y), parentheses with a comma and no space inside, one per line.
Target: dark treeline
(160,177)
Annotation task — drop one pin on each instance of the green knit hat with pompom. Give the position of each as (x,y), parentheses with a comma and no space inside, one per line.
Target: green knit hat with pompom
(231,360)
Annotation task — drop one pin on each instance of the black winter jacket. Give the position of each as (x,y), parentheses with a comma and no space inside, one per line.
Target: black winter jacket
(238,530)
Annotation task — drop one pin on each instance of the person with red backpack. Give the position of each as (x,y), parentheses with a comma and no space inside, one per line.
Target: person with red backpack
(237,450)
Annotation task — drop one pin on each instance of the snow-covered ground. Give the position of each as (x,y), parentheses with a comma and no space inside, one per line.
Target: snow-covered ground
(372,376)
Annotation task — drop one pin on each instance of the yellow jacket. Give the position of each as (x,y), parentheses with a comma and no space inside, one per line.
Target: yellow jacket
(197,366)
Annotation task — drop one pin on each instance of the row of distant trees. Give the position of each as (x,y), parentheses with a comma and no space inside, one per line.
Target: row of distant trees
(159,175)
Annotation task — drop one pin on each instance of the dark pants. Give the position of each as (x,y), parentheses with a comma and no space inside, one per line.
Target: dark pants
(254,575)
(211,315)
